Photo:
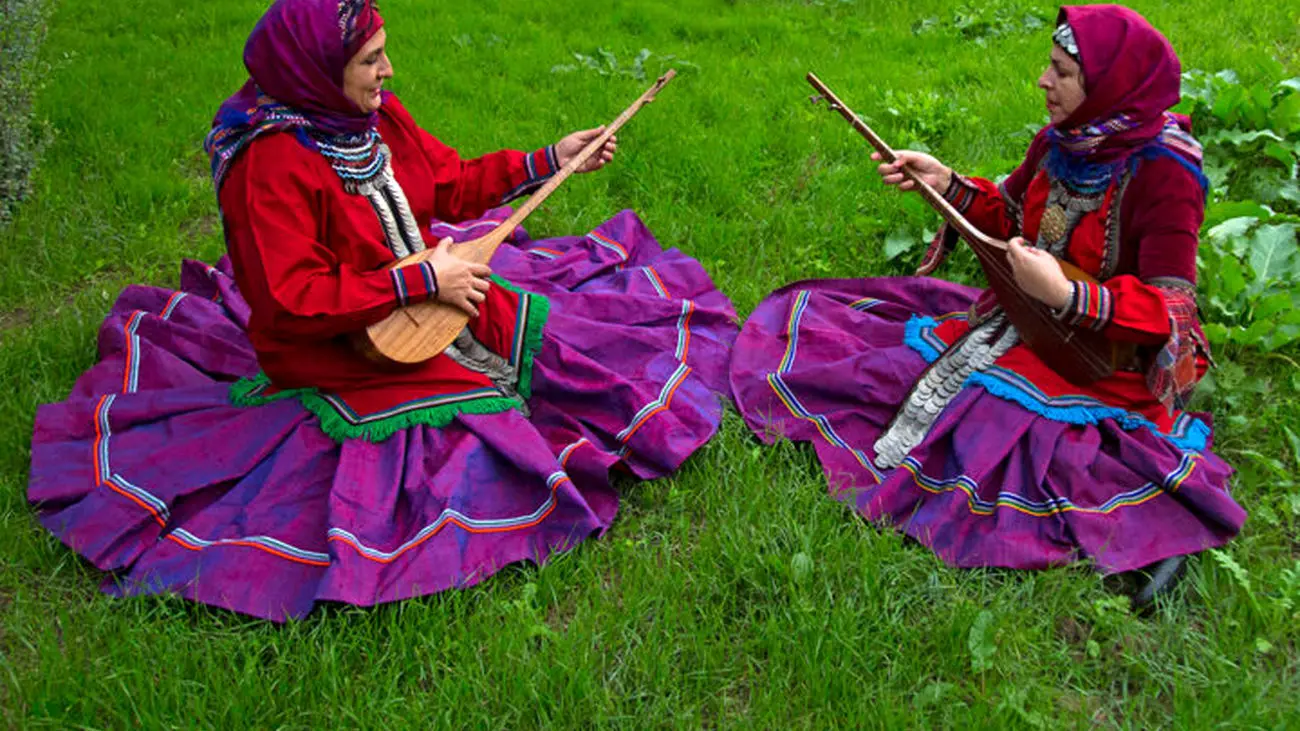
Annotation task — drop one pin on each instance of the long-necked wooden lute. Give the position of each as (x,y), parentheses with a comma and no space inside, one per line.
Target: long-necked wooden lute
(1080,355)
(417,332)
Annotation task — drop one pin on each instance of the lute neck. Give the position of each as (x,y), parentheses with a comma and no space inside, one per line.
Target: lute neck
(931,196)
(486,246)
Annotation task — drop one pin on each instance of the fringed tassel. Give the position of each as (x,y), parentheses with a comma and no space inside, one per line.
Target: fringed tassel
(249,392)
(340,429)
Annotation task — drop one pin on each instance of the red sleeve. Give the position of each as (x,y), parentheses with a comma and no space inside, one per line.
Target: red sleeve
(294,283)
(465,189)
(1162,215)
(992,207)
(1123,307)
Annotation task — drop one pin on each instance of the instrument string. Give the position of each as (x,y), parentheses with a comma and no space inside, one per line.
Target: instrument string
(990,262)
(997,272)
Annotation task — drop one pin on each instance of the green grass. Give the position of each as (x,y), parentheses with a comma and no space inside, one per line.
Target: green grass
(732,594)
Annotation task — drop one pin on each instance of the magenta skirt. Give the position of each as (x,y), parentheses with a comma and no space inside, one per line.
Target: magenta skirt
(1005,476)
(152,472)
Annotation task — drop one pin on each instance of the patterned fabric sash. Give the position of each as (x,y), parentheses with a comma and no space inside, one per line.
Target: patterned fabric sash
(361,160)
(235,129)
(1173,374)
(1068,156)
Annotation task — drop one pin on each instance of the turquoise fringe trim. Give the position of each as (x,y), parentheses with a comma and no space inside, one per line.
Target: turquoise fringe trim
(1195,439)
(913,338)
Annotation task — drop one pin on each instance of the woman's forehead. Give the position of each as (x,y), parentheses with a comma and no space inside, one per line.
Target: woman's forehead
(376,41)
(1063,59)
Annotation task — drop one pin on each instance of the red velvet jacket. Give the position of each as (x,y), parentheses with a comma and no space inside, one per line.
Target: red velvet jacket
(1161,211)
(1141,244)
(312,261)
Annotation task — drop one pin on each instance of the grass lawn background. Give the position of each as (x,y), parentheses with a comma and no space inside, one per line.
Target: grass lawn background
(734,593)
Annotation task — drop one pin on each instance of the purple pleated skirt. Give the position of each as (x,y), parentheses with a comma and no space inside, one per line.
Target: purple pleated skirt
(150,471)
(1006,476)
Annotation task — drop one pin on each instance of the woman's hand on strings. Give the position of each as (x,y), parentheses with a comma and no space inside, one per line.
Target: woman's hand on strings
(1038,274)
(461,284)
(569,147)
(934,173)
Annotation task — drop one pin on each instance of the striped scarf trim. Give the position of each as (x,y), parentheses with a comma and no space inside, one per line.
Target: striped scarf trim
(1067,157)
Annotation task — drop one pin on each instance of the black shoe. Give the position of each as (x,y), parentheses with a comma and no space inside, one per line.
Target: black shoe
(1157,580)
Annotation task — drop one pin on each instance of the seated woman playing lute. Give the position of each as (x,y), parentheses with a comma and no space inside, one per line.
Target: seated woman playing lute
(234,447)
(927,411)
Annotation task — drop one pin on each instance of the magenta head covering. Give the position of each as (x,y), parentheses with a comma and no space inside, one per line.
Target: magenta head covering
(1132,78)
(298,50)
(295,57)
(1129,70)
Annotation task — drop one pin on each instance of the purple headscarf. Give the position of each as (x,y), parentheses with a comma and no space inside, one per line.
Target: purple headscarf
(1132,79)
(1131,72)
(295,58)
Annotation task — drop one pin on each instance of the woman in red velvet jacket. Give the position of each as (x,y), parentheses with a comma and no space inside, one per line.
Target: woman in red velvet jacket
(929,413)
(233,447)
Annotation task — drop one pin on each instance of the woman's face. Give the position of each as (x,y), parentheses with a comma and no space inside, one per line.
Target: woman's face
(1062,84)
(363,78)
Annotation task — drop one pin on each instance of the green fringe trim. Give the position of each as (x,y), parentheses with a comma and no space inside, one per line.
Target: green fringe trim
(539,310)
(241,391)
(338,428)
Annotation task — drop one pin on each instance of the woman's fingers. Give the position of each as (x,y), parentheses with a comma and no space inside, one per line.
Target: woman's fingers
(893,174)
(1025,253)
(462,284)
(603,157)
(919,166)
(466,305)
(463,305)
(1015,255)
